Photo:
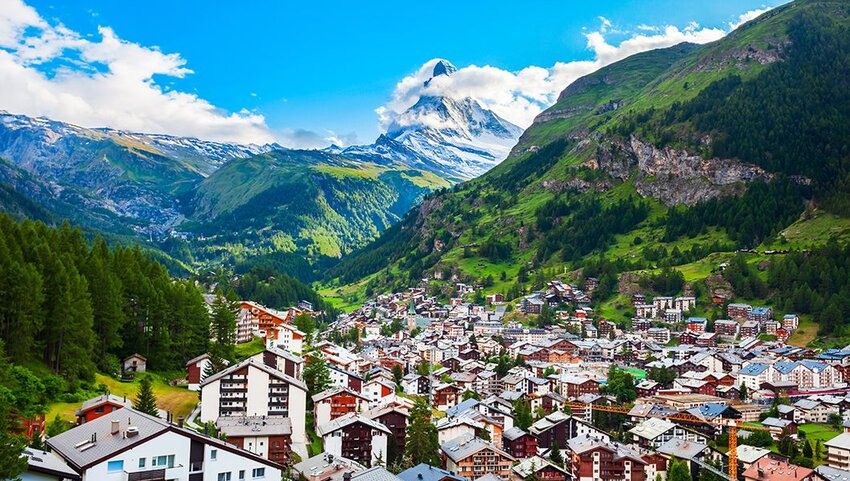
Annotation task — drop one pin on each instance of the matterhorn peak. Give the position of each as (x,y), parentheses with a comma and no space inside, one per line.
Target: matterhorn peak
(442,67)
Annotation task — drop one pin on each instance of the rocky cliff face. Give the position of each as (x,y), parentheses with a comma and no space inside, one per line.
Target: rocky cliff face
(671,175)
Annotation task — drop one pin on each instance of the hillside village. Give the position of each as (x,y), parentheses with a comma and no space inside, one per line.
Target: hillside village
(407,387)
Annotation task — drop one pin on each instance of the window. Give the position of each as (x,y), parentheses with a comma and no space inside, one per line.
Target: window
(162,461)
(241,474)
(142,462)
(213,454)
(115,466)
(258,473)
(224,476)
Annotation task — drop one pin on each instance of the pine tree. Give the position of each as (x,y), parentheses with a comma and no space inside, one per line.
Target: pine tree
(421,444)
(744,393)
(145,399)
(223,326)
(522,414)
(215,365)
(316,374)
(807,450)
(555,455)
(678,471)
(105,293)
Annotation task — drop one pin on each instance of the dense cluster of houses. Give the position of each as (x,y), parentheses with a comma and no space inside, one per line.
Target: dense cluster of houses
(476,367)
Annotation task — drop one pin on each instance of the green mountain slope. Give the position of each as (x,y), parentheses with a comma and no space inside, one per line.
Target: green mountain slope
(309,203)
(676,157)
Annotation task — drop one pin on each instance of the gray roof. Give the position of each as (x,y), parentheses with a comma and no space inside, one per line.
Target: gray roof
(48,463)
(750,454)
(241,426)
(652,428)
(842,441)
(513,433)
(321,465)
(426,472)
(334,390)
(348,420)
(776,423)
(682,449)
(583,443)
(76,445)
(93,402)
(490,477)
(531,465)
(832,474)
(378,473)
(464,446)
(93,442)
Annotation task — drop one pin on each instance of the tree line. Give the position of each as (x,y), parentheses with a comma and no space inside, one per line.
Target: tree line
(80,307)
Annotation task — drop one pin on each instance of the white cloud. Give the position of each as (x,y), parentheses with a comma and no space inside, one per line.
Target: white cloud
(520,96)
(104,80)
(747,16)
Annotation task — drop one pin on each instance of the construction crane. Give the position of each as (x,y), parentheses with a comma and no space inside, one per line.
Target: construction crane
(732,425)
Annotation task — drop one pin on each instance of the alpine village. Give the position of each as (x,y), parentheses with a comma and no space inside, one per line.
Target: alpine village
(651,282)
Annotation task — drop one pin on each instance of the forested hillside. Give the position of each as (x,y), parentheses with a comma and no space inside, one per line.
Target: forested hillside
(80,308)
(671,159)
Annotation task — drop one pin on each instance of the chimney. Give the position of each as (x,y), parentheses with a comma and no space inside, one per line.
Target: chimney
(346,476)
(180,421)
(116,427)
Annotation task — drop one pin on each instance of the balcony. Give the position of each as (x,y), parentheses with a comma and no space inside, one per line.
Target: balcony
(196,466)
(149,475)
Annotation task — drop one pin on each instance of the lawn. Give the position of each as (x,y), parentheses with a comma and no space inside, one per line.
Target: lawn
(256,346)
(176,400)
(815,432)
(806,332)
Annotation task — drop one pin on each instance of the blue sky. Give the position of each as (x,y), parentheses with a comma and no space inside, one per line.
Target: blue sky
(326,66)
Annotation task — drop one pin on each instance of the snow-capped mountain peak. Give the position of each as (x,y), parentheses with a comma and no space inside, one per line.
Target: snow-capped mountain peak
(461,138)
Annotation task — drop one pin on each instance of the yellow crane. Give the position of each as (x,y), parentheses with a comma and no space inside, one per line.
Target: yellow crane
(732,426)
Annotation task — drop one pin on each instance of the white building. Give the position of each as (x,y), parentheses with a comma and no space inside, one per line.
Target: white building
(252,388)
(128,445)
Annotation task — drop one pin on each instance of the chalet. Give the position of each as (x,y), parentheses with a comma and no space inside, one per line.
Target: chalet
(539,468)
(415,385)
(779,427)
(473,458)
(495,298)
(269,437)
(653,432)
(395,419)
(342,377)
(131,445)
(195,371)
(100,406)
(590,456)
(445,396)
(356,437)
(134,363)
(519,443)
(378,388)
(284,361)
(559,427)
(337,402)
(760,314)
